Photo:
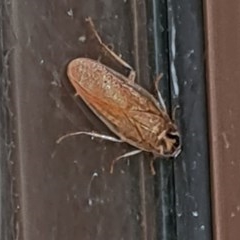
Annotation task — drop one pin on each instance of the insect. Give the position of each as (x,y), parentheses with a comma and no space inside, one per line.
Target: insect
(127,109)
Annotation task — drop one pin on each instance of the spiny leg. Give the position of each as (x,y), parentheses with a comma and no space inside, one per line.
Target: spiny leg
(152,168)
(160,98)
(92,134)
(132,74)
(128,154)
(174,112)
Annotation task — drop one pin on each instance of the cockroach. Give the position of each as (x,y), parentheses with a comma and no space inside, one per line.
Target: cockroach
(127,109)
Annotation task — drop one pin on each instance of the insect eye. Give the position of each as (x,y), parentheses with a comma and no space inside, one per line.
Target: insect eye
(174,136)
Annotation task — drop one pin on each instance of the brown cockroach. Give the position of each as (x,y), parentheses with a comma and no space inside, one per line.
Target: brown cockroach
(127,109)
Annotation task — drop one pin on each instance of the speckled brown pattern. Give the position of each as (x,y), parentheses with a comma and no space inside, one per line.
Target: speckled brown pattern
(126,108)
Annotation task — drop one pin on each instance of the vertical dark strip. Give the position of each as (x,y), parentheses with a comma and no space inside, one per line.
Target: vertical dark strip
(6,142)
(159,57)
(187,75)
(187,214)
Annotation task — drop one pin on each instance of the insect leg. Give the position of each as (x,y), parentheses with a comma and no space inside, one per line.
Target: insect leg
(160,98)
(152,167)
(92,134)
(132,74)
(128,154)
(177,107)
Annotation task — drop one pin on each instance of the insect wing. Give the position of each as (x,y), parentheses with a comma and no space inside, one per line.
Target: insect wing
(132,117)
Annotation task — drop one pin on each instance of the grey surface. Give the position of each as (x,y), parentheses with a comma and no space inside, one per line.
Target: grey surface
(65,191)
